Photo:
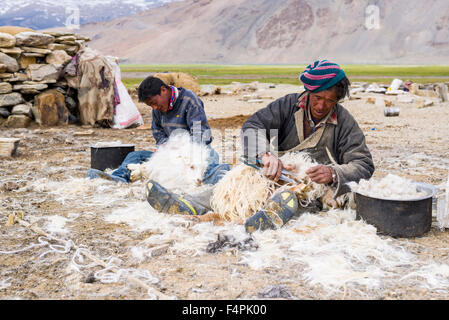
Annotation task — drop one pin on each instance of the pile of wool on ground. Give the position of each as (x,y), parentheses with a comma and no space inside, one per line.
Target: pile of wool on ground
(241,193)
(179,164)
(390,187)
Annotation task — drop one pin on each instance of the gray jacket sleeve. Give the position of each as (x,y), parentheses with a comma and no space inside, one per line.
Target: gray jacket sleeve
(267,123)
(354,158)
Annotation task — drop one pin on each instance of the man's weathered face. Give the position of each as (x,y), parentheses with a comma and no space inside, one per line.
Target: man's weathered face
(322,102)
(160,102)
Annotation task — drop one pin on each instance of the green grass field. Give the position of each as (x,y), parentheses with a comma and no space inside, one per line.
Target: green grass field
(286,74)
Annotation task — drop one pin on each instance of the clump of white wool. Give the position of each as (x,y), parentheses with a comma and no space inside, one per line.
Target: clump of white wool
(56,224)
(179,164)
(390,187)
(241,193)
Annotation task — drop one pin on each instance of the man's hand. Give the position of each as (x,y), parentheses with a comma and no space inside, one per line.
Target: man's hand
(320,174)
(272,167)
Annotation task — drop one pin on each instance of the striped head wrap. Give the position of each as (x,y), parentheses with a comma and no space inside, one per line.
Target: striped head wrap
(321,75)
(174,96)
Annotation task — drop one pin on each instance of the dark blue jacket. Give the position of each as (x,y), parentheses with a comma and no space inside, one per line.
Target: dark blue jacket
(187,114)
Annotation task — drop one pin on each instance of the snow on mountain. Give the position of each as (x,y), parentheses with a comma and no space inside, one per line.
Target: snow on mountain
(43,14)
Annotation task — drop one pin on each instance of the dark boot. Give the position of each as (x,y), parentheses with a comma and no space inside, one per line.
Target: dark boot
(165,201)
(278,210)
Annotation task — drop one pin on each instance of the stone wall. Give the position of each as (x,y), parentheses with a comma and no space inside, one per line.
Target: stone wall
(31,85)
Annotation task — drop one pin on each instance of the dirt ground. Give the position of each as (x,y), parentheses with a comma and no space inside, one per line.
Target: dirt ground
(414,145)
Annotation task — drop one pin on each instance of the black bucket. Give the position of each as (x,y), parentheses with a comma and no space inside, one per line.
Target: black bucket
(109,157)
(398,218)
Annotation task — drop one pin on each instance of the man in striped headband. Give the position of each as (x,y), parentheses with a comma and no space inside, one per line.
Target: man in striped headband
(312,121)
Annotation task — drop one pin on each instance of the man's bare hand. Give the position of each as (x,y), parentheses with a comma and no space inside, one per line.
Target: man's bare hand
(320,174)
(272,167)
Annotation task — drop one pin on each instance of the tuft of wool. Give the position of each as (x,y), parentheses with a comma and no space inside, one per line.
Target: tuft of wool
(390,187)
(179,164)
(307,190)
(241,193)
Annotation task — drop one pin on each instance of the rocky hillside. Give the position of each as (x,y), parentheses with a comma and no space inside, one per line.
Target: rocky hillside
(41,14)
(281,31)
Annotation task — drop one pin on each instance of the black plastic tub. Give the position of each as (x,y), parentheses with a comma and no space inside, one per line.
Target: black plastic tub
(109,157)
(398,218)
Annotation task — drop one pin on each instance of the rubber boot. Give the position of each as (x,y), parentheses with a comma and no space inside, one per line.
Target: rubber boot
(165,201)
(278,210)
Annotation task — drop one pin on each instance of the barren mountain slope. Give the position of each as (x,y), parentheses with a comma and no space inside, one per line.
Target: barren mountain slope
(281,31)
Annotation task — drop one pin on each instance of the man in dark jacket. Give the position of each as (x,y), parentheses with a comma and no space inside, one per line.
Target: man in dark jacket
(316,123)
(174,109)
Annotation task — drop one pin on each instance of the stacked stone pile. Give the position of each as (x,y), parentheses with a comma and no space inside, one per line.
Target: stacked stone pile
(31,85)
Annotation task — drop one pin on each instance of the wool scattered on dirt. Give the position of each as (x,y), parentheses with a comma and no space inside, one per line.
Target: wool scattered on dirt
(389,187)
(330,250)
(333,250)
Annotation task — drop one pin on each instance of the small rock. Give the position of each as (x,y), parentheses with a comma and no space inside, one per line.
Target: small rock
(36,50)
(37,86)
(10,99)
(49,108)
(58,57)
(7,40)
(90,278)
(3,68)
(17,121)
(5,87)
(371,100)
(65,38)
(22,109)
(32,54)
(276,292)
(10,186)
(14,52)
(72,50)
(18,76)
(40,72)
(26,61)
(5,76)
(4,112)
(11,63)
(428,103)
(33,39)
(57,46)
